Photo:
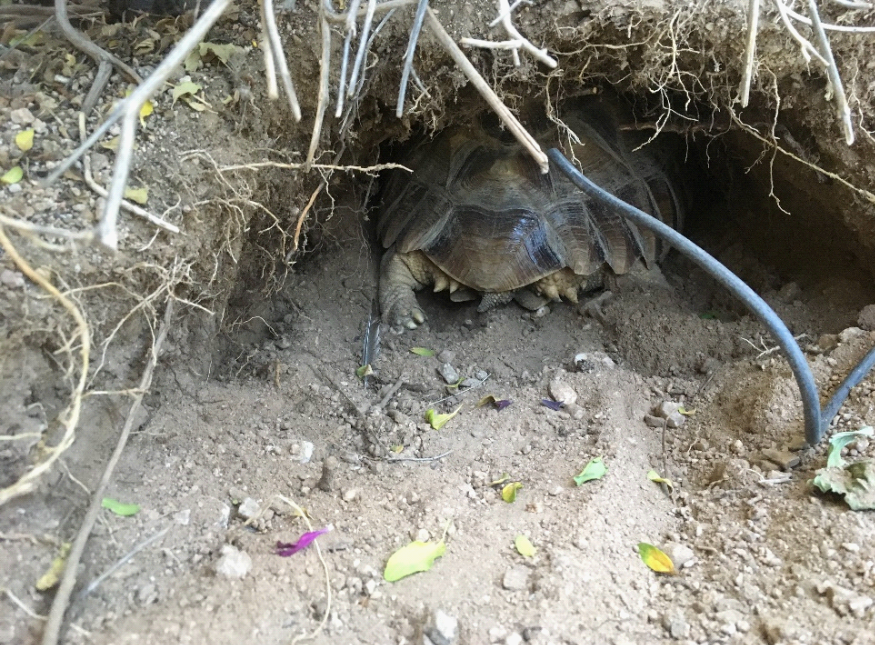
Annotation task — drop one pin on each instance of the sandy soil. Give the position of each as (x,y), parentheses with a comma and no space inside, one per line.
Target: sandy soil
(261,400)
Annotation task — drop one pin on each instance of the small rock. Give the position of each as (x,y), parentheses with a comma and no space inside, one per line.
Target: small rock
(515,579)
(866,319)
(443,629)
(675,420)
(302,452)
(350,494)
(470,382)
(448,373)
(147,594)
(561,391)
(182,517)
(828,342)
(676,626)
(784,459)
(236,494)
(234,563)
(248,508)
(329,472)
(666,409)
(849,334)
(21,116)
(446,356)
(680,554)
(12,279)
(851,547)
(514,638)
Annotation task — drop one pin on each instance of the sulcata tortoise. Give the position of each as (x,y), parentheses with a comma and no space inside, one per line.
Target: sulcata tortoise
(477,216)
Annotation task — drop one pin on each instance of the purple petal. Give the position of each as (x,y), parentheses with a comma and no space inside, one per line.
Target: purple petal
(553,405)
(285,549)
(501,405)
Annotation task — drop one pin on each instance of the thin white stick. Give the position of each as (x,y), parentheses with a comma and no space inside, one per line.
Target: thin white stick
(324,70)
(503,14)
(809,51)
(853,4)
(753,18)
(482,86)
(829,27)
(832,71)
(491,44)
(129,110)
(276,46)
(383,6)
(408,56)
(540,54)
(363,46)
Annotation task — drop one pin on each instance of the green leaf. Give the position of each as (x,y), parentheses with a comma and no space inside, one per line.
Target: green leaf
(222,52)
(413,558)
(138,195)
(24,140)
(500,480)
(854,482)
(595,469)
(184,89)
(656,477)
(655,559)
(120,508)
(508,493)
(438,421)
(422,351)
(524,546)
(687,413)
(13,175)
(841,439)
(364,370)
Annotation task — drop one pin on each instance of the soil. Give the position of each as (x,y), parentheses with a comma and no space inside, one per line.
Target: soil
(255,401)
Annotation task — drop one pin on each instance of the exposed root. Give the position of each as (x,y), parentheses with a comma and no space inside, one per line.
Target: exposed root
(69,418)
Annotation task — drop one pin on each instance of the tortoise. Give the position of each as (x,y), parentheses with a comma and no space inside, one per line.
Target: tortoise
(477,216)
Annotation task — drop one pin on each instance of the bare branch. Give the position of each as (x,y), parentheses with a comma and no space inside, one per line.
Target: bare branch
(487,92)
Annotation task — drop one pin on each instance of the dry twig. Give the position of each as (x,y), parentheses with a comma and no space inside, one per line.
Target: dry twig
(458,56)
(80,42)
(517,40)
(324,72)
(753,18)
(408,55)
(275,58)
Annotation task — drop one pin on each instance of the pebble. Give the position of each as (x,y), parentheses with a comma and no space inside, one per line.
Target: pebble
(443,630)
(329,472)
(470,382)
(666,409)
(514,638)
(303,451)
(248,508)
(350,494)
(234,563)
(676,626)
(866,319)
(782,458)
(446,356)
(12,279)
(561,391)
(182,517)
(21,116)
(680,554)
(515,579)
(448,373)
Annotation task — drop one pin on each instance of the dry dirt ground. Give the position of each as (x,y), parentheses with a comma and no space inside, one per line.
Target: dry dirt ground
(255,396)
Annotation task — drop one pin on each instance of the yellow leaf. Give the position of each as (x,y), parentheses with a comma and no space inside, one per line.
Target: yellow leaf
(655,477)
(508,493)
(13,175)
(111,144)
(139,195)
(194,105)
(524,546)
(656,559)
(145,111)
(53,575)
(24,140)
(438,421)
(413,558)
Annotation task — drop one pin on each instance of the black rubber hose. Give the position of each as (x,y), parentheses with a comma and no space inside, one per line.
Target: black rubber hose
(816,422)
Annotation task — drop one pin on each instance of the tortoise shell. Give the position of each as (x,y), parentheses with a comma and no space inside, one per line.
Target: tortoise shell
(477,205)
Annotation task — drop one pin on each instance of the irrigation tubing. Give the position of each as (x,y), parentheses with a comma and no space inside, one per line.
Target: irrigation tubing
(816,420)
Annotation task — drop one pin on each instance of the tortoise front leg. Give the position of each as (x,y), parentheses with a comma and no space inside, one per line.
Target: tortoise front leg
(401,274)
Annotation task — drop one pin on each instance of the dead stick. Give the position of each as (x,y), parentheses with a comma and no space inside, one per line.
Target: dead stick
(487,92)
(68,581)
(80,42)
